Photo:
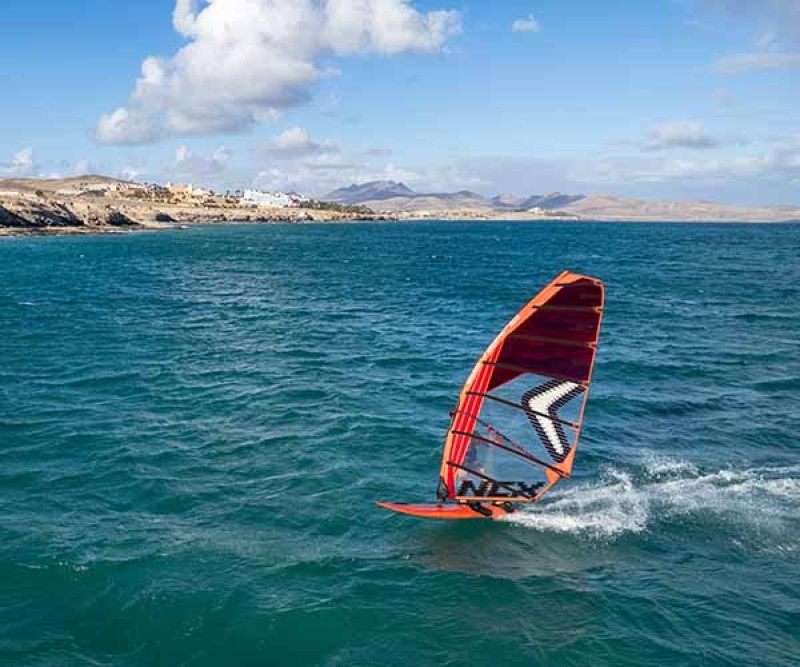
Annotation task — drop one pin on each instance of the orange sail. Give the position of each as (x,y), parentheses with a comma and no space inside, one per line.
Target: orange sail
(524,400)
(515,429)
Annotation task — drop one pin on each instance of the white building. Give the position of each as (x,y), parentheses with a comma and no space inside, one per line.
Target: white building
(97,187)
(272,199)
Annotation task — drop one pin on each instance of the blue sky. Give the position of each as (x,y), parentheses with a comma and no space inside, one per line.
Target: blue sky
(675,99)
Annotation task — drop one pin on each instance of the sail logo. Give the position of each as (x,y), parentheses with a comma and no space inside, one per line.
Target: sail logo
(541,405)
(498,489)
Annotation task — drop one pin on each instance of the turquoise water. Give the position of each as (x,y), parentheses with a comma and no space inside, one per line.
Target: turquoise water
(194,427)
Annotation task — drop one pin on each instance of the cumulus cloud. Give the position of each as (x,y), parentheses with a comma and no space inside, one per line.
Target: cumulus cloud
(132,172)
(744,63)
(776,163)
(66,169)
(765,173)
(125,127)
(324,173)
(678,134)
(296,143)
(23,163)
(193,167)
(246,59)
(528,24)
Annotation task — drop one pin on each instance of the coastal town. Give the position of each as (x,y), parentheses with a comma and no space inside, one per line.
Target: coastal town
(96,204)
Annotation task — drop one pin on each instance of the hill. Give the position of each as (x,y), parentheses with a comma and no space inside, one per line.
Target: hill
(55,184)
(392,196)
(398,198)
(372,191)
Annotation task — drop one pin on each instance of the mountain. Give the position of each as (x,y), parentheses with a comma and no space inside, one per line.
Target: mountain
(612,207)
(372,191)
(398,197)
(548,202)
(506,200)
(393,197)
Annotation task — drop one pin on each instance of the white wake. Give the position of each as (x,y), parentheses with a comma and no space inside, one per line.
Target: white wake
(669,490)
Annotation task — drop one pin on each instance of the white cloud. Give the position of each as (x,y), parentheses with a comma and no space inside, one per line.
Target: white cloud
(123,127)
(744,63)
(678,134)
(81,168)
(328,172)
(246,59)
(528,24)
(776,163)
(132,172)
(23,163)
(192,167)
(765,173)
(23,160)
(296,143)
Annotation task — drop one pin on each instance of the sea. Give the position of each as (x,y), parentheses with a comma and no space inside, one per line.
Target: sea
(195,426)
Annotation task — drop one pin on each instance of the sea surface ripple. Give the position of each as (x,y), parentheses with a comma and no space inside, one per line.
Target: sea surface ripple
(194,427)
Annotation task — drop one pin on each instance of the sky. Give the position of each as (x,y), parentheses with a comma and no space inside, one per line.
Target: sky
(664,99)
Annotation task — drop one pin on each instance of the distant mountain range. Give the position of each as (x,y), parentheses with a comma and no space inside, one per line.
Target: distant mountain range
(395,197)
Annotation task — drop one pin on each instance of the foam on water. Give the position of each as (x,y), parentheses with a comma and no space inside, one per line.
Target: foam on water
(663,490)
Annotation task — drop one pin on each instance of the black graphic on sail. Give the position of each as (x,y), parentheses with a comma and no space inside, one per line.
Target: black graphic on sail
(541,406)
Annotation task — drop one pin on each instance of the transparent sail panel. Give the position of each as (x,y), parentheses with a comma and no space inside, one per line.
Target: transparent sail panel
(537,413)
(494,468)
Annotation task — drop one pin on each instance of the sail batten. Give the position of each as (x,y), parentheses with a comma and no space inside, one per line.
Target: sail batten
(531,383)
(511,404)
(533,371)
(512,450)
(552,341)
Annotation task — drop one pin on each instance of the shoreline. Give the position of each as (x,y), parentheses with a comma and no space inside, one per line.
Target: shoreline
(93,204)
(185,225)
(64,216)
(78,216)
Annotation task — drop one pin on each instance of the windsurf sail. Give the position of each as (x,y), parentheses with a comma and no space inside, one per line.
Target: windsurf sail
(514,431)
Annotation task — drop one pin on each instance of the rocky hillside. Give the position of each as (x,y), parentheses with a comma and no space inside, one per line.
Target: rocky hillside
(48,214)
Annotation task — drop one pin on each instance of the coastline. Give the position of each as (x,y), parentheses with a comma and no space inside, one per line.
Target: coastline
(46,214)
(179,225)
(61,216)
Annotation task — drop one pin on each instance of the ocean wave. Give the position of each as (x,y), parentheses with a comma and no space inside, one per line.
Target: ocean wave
(662,490)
